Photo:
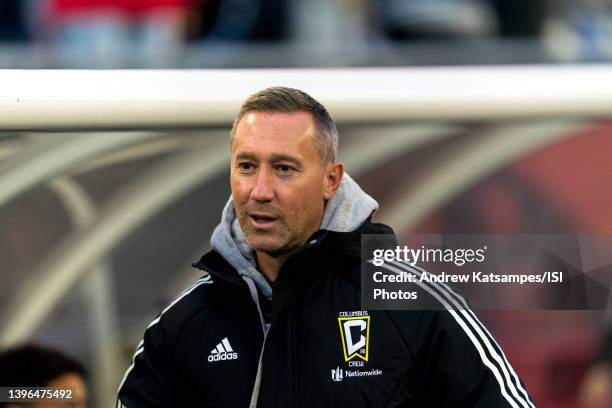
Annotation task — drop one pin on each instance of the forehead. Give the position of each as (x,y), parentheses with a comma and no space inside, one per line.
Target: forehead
(263,131)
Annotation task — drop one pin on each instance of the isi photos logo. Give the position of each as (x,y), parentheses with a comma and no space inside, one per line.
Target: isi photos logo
(355,335)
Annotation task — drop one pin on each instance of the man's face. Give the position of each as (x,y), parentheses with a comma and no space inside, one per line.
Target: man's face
(279,183)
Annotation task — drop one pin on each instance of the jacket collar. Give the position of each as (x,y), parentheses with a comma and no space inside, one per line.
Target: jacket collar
(344,212)
(332,249)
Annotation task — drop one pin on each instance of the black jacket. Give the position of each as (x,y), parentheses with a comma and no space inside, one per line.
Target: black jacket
(321,349)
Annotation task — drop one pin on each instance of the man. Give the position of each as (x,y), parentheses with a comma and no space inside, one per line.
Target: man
(30,366)
(278,322)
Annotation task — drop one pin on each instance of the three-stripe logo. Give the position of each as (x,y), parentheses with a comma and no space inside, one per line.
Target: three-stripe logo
(223,351)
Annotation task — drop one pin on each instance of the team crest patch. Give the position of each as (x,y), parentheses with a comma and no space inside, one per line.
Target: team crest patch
(355,334)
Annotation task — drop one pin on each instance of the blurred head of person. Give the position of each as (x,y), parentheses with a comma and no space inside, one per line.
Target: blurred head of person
(34,366)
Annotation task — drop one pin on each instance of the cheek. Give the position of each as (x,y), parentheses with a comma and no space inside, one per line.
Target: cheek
(239,190)
(309,203)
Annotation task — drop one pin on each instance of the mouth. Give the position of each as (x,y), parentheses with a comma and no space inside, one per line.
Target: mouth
(262,220)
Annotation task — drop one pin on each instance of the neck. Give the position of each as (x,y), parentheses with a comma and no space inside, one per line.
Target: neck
(270,265)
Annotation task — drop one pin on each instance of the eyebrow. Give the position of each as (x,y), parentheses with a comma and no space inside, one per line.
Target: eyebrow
(273,158)
(245,155)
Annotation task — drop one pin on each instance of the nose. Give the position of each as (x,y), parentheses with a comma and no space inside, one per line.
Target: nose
(263,190)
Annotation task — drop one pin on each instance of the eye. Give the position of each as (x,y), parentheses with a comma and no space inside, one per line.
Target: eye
(246,166)
(285,168)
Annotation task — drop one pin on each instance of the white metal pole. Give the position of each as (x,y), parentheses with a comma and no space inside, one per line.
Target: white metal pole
(85,99)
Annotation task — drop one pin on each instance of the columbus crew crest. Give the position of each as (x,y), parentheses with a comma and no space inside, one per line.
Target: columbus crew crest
(355,334)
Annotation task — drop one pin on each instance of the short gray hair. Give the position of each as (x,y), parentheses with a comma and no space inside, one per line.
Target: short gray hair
(281,99)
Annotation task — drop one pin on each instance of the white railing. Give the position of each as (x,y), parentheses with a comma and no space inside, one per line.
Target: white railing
(55,99)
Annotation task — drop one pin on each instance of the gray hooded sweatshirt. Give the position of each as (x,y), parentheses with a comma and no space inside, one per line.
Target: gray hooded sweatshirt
(344,212)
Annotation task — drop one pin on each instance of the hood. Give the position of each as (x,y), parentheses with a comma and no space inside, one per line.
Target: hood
(344,212)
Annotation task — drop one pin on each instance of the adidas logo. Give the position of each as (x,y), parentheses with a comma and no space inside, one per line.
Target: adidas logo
(223,351)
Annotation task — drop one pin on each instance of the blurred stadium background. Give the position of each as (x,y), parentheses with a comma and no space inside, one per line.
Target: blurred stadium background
(141,203)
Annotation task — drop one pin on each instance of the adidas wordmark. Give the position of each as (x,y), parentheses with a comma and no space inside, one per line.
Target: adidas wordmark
(223,351)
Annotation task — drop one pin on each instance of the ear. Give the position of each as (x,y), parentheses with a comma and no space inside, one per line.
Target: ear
(333,178)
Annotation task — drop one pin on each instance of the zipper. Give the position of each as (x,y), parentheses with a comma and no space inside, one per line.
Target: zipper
(250,284)
(265,329)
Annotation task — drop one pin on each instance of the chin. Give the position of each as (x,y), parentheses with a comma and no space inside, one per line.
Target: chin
(264,245)
(272,247)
